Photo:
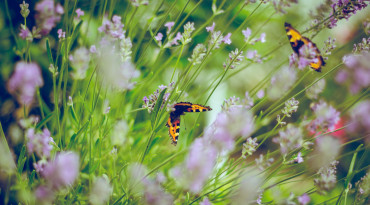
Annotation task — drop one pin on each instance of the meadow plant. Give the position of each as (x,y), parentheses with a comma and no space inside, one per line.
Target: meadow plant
(88,87)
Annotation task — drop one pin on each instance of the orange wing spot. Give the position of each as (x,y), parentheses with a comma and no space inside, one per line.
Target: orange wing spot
(173,129)
(198,108)
(297,41)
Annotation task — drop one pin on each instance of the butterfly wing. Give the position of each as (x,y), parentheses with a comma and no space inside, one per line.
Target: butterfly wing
(319,61)
(173,122)
(297,41)
(198,108)
(295,38)
(173,125)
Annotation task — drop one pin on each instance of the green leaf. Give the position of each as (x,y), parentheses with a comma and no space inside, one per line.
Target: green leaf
(73,114)
(157,106)
(22,159)
(74,136)
(75,33)
(50,56)
(32,178)
(45,120)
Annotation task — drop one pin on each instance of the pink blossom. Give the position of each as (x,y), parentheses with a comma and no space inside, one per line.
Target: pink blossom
(93,49)
(205,202)
(304,199)
(79,13)
(48,15)
(177,38)
(227,39)
(62,171)
(61,34)
(24,33)
(159,37)
(39,142)
(247,33)
(169,26)
(211,28)
(25,81)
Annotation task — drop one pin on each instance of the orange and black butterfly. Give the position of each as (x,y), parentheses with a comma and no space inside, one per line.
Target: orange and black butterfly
(297,41)
(173,122)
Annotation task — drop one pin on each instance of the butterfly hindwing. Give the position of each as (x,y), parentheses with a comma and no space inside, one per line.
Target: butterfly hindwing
(297,41)
(173,125)
(173,122)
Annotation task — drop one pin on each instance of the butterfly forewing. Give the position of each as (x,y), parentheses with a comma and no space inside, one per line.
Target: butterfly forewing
(297,41)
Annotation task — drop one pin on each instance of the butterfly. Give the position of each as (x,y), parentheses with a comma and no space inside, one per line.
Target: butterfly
(297,41)
(173,122)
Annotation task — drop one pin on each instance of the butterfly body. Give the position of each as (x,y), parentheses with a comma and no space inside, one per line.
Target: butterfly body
(173,122)
(297,41)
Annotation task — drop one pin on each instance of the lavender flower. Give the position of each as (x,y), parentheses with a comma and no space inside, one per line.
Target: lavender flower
(25,33)
(227,39)
(114,28)
(101,191)
(39,142)
(25,81)
(253,56)
(79,13)
(357,72)
(48,15)
(61,34)
(237,121)
(62,171)
(150,102)
(169,26)
(198,55)
(360,121)
(231,102)
(363,189)
(249,147)
(344,9)
(199,164)
(44,194)
(326,179)
(174,40)
(205,202)
(363,46)
(154,194)
(186,36)
(329,46)
(235,57)
(325,117)
(158,38)
(313,91)
(247,34)
(211,28)
(291,107)
(281,82)
(92,49)
(24,9)
(215,40)
(79,59)
(289,139)
(304,199)
(280,5)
